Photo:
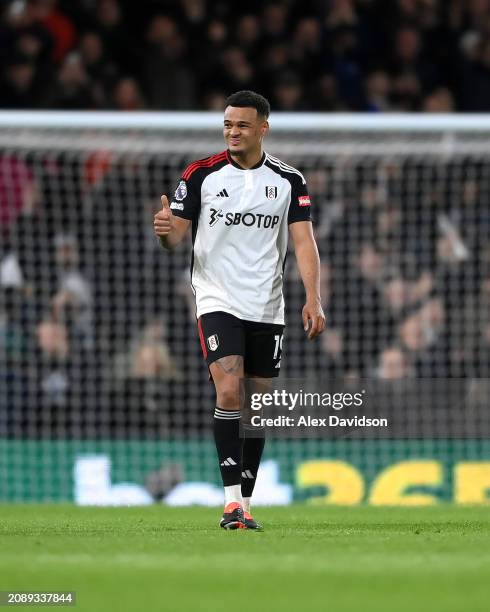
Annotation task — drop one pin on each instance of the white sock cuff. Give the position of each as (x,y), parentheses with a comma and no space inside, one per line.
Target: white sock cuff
(226,414)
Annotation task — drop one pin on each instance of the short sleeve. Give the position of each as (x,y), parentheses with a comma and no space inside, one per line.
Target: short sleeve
(186,202)
(300,205)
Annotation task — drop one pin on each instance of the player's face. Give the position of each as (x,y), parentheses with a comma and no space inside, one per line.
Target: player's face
(243,129)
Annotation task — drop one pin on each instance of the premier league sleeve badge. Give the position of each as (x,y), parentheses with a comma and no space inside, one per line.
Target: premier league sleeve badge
(181,191)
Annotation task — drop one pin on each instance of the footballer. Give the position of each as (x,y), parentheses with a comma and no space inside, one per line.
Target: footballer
(242,205)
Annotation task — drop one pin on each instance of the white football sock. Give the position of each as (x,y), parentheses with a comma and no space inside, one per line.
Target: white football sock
(246,504)
(233,493)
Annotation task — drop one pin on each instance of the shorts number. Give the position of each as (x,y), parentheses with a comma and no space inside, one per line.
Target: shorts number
(278,346)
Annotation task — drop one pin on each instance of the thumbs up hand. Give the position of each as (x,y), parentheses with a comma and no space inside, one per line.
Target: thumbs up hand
(163,220)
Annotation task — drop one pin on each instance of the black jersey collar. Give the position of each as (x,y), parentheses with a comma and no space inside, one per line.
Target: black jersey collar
(233,162)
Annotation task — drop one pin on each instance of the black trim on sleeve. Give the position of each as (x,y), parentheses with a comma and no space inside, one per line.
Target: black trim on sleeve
(186,202)
(299,205)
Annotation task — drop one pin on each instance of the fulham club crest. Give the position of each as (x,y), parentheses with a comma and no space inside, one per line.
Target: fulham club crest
(213,342)
(271,193)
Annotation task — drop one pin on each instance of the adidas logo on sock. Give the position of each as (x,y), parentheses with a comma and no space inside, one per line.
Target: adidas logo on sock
(228,462)
(247,474)
(222,194)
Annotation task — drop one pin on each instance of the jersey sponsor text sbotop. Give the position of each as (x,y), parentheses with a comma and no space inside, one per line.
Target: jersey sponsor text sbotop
(246,219)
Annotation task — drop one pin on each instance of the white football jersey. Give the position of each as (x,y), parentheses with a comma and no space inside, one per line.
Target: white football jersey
(240,224)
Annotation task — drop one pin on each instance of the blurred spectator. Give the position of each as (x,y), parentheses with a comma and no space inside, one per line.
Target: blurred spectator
(395,293)
(393,364)
(342,55)
(152,356)
(18,190)
(73,88)
(15,340)
(377,92)
(325,95)
(10,272)
(332,358)
(100,69)
(289,94)
(148,356)
(214,101)
(168,81)
(307,49)
(248,36)
(370,263)
(406,92)
(18,90)
(341,13)
(61,28)
(53,358)
(73,303)
(426,340)
(421,288)
(362,327)
(237,72)
(194,11)
(127,95)
(117,35)
(207,51)
(23,35)
(52,338)
(275,22)
(275,62)
(347,66)
(439,101)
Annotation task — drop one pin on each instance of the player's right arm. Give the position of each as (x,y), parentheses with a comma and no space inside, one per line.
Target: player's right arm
(169,228)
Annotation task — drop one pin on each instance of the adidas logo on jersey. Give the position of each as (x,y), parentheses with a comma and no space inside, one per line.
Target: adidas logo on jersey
(222,194)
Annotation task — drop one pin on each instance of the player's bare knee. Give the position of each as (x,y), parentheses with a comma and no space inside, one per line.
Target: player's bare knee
(228,400)
(228,395)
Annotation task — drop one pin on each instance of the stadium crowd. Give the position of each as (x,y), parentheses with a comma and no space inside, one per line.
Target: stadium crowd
(314,55)
(89,316)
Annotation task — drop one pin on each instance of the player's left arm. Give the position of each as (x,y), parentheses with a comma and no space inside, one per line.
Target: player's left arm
(308,261)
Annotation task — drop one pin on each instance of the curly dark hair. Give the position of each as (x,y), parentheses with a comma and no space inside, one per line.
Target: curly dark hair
(250,99)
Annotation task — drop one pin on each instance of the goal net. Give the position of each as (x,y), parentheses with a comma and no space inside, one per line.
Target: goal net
(104,395)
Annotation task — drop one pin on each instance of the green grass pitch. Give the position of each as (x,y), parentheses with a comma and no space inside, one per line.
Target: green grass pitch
(308,558)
